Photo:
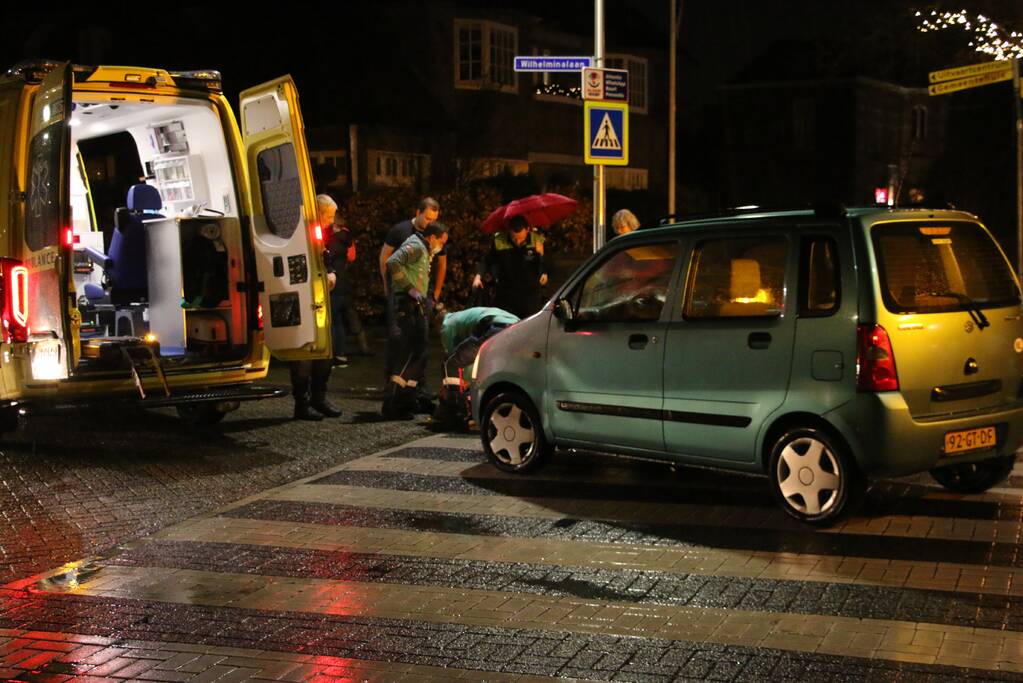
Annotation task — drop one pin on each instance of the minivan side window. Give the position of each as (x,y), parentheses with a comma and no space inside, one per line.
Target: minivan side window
(737,278)
(630,286)
(819,281)
(42,218)
(281,189)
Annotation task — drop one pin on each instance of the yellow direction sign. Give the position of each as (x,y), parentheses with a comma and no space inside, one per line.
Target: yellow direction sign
(971,70)
(971,82)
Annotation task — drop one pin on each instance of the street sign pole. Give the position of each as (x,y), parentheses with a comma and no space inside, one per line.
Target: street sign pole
(1019,166)
(599,203)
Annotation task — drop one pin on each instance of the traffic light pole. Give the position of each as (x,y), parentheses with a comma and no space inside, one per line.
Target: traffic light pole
(599,198)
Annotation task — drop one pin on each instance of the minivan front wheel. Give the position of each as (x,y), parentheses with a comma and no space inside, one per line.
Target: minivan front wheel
(813,477)
(975,477)
(512,433)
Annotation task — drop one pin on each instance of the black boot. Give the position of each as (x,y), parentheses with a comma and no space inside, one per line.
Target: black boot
(302,411)
(320,405)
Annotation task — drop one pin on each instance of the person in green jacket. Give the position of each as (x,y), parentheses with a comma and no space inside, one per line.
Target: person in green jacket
(408,269)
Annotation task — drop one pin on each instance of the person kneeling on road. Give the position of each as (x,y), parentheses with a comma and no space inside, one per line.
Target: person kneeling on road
(409,271)
(462,335)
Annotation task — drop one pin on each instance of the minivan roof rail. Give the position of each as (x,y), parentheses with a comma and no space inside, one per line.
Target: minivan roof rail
(824,210)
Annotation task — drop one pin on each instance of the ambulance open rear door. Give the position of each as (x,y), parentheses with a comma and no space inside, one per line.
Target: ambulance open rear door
(287,240)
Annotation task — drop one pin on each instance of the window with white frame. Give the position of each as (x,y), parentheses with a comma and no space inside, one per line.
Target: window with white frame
(485,55)
(558,85)
(395,169)
(637,68)
(489,167)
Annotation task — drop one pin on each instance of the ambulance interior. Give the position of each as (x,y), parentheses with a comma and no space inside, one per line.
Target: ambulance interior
(163,261)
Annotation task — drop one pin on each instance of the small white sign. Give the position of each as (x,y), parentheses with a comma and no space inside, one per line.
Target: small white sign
(593,84)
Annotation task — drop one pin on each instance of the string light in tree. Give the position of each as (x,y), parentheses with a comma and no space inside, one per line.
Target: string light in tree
(557,90)
(984,35)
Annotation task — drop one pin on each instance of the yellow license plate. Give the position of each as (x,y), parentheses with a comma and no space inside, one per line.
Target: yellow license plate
(970,440)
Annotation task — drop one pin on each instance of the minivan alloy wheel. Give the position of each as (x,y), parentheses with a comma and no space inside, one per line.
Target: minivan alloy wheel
(808,476)
(512,434)
(813,476)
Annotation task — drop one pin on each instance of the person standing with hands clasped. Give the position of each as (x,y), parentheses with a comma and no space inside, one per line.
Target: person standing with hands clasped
(516,262)
(309,377)
(408,269)
(426,213)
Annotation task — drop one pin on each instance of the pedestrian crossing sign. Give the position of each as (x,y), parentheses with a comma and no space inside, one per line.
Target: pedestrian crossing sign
(606,131)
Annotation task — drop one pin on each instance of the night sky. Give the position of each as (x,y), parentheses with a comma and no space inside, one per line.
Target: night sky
(721,39)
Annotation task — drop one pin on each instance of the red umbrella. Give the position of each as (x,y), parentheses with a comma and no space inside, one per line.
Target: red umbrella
(540,210)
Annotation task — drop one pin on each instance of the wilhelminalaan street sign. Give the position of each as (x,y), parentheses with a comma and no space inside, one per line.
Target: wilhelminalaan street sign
(971,70)
(548,63)
(971,82)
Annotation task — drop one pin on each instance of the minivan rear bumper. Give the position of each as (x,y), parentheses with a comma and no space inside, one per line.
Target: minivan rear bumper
(886,439)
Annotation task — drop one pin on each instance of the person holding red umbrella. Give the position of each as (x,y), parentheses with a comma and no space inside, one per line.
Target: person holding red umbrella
(516,263)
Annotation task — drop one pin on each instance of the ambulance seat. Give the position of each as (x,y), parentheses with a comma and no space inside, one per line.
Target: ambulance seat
(124,265)
(96,310)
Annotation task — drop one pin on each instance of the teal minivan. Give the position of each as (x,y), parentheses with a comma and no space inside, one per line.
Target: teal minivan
(818,347)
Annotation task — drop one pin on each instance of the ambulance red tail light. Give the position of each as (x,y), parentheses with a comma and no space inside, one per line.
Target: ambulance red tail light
(875,360)
(259,316)
(14,316)
(318,233)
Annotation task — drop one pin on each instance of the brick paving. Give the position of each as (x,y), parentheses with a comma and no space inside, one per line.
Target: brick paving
(423,563)
(640,587)
(483,649)
(73,484)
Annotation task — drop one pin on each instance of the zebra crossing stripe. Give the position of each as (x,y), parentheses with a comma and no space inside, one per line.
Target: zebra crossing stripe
(841,636)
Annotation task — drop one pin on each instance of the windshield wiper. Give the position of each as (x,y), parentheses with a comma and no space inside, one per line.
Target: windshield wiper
(972,307)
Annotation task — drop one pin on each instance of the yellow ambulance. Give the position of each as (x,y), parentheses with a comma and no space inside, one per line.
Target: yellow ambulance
(175,288)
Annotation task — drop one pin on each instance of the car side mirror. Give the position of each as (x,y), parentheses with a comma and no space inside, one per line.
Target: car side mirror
(563,310)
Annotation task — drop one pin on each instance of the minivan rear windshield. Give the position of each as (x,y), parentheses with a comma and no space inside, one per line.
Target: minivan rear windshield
(930,267)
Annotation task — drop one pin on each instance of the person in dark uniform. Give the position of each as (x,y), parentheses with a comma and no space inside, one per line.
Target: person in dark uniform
(309,377)
(409,275)
(516,263)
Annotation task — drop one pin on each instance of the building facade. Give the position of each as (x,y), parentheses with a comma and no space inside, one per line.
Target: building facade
(454,109)
(835,140)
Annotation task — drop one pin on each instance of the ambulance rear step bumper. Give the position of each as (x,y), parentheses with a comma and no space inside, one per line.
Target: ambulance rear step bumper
(230,394)
(242,392)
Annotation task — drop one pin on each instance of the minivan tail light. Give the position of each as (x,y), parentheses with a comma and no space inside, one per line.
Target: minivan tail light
(875,360)
(259,316)
(14,315)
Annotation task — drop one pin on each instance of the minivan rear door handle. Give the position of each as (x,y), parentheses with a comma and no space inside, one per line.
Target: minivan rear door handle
(759,340)
(638,341)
